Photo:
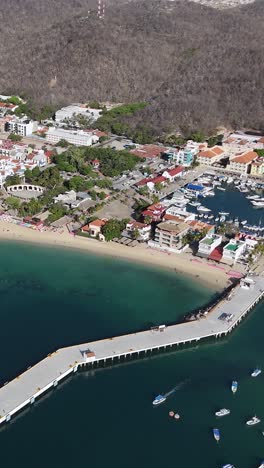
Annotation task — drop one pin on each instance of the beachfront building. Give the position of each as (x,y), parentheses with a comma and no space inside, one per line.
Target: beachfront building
(22,127)
(234,250)
(141,230)
(241,163)
(69,112)
(257,168)
(209,243)
(77,138)
(93,229)
(168,236)
(154,212)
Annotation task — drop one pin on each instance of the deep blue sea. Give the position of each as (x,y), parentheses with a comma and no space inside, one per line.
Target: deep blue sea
(52,298)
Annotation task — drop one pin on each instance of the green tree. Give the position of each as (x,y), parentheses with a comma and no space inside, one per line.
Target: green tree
(101,195)
(63,143)
(158,186)
(103,138)
(12,203)
(14,137)
(198,136)
(12,180)
(113,228)
(260,152)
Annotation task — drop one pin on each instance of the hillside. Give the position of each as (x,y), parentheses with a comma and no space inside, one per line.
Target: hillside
(198,67)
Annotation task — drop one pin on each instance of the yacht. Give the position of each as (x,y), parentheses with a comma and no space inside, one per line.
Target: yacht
(159,399)
(253,421)
(244,222)
(222,412)
(234,386)
(256,372)
(203,209)
(216,433)
(258,204)
(253,197)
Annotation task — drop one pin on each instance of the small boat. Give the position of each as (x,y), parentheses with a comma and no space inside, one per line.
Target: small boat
(228,466)
(216,433)
(159,399)
(222,219)
(257,204)
(234,386)
(222,412)
(256,372)
(216,219)
(253,197)
(221,188)
(244,222)
(177,416)
(223,213)
(253,421)
(261,465)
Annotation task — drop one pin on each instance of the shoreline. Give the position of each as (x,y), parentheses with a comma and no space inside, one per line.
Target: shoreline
(199,269)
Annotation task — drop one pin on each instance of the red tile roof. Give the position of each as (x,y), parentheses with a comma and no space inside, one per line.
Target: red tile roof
(175,171)
(97,223)
(245,158)
(148,151)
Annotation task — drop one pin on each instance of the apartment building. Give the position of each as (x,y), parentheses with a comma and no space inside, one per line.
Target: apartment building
(210,156)
(22,127)
(242,163)
(168,236)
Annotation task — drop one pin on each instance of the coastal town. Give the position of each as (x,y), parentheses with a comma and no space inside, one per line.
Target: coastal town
(64,179)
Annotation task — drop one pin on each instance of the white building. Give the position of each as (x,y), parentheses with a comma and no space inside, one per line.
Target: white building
(22,127)
(77,109)
(77,138)
(208,244)
(67,197)
(233,250)
(180,212)
(143,229)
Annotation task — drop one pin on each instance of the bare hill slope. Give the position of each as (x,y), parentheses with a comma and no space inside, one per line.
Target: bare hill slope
(197,66)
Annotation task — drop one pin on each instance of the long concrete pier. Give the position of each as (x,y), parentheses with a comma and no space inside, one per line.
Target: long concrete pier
(220,320)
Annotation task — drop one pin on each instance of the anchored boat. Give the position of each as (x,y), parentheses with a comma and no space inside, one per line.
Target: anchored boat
(216,433)
(256,372)
(253,421)
(234,386)
(222,412)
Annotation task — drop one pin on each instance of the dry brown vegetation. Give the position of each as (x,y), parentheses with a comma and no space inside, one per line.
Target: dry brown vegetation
(199,68)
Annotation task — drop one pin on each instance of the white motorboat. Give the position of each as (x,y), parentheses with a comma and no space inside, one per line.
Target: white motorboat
(159,399)
(261,465)
(228,466)
(253,421)
(256,372)
(258,204)
(221,188)
(224,213)
(253,197)
(230,180)
(244,222)
(222,412)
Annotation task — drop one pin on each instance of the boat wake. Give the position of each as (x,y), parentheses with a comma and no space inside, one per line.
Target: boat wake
(178,386)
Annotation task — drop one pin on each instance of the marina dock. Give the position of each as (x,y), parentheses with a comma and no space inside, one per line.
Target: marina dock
(219,321)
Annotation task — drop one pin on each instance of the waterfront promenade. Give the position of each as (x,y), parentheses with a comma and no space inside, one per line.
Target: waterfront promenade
(27,387)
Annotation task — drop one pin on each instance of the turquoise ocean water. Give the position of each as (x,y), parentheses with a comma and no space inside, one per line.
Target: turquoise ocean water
(52,298)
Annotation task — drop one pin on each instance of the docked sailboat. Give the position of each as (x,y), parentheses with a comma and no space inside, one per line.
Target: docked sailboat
(253,421)
(222,412)
(234,386)
(256,372)
(216,433)
(159,399)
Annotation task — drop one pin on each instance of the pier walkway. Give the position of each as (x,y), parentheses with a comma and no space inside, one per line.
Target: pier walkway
(219,321)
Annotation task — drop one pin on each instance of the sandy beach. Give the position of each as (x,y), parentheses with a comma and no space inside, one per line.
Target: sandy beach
(213,275)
